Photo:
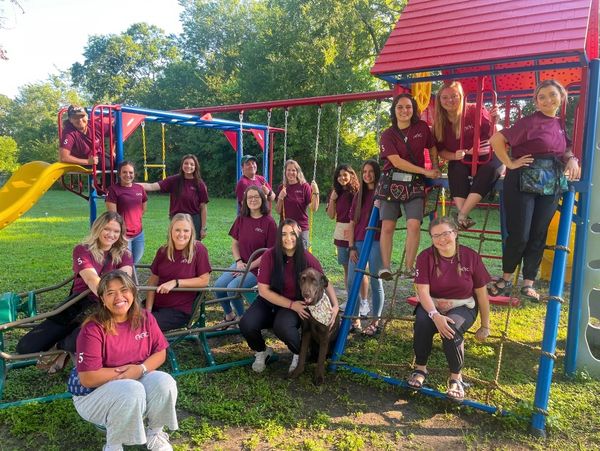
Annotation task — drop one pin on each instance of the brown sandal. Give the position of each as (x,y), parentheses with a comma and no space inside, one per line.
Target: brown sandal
(456,390)
(414,381)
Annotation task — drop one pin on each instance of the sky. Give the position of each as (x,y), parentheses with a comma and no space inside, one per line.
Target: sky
(51,34)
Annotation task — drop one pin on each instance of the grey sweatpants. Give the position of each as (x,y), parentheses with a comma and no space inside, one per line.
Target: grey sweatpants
(121,406)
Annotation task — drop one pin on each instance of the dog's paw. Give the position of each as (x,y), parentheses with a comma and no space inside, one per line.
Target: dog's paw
(319,379)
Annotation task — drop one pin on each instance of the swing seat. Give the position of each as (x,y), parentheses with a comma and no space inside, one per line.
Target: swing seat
(495,300)
(154,165)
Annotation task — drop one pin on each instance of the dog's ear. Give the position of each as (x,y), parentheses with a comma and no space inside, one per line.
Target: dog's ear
(324,281)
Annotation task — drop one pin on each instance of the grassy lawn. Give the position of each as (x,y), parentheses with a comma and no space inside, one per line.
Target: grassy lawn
(238,409)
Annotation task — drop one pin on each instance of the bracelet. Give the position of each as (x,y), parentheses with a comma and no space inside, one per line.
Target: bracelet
(573,157)
(353,248)
(239,260)
(176,283)
(290,306)
(433,313)
(144,369)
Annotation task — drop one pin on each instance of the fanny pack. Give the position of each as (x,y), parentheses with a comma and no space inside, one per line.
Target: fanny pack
(445,305)
(544,176)
(342,231)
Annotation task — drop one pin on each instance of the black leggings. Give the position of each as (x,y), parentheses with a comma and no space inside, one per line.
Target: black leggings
(485,177)
(528,217)
(60,330)
(425,329)
(264,315)
(170,318)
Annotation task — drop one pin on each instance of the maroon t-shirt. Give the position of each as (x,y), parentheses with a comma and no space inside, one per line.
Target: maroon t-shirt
(451,143)
(538,135)
(130,205)
(167,270)
(289,274)
(253,233)
(245,182)
(98,349)
(189,199)
(83,259)
(449,284)
(296,202)
(78,143)
(342,213)
(360,228)
(419,138)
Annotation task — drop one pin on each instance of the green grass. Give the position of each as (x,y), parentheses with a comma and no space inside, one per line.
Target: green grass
(238,409)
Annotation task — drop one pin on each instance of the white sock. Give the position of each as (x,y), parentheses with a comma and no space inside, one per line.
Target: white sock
(154,431)
(364,300)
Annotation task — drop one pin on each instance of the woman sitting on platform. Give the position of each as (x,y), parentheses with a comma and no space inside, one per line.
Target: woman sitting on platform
(253,229)
(279,305)
(115,383)
(448,126)
(451,287)
(538,144)
(181,263)
(104,249)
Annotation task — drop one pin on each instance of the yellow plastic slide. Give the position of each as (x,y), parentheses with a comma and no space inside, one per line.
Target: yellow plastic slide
(28,184)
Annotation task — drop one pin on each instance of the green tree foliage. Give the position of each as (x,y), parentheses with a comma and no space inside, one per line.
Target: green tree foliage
(8,154)
(123,68)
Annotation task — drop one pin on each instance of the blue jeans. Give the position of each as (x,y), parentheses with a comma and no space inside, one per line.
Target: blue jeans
(376,283)
(230,280)
(136,246)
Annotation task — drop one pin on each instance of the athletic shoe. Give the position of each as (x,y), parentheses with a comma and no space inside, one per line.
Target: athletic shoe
(365,308)
(385,274)
(112,448)
(409,273)
(260,359)
(294,363)
(159,442)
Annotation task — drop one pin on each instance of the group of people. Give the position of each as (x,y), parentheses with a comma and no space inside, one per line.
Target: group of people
(451,280)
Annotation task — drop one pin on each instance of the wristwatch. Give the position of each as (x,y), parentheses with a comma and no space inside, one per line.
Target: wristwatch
(144,369)
(433,313)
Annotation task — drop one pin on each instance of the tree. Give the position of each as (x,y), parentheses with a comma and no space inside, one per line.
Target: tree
(123,68)
(8,154)
(16,5)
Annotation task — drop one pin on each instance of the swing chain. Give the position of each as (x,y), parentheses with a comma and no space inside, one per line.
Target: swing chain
(337,138)
(317,143)
(285,135)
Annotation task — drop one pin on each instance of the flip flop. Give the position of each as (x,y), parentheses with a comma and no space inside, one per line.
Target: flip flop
(413,381)
(528,292)
(372,330)
(465,223)
(456,390)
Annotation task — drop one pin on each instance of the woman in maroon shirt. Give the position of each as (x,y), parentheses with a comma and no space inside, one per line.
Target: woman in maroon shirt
(533,139)
(447,129)
(187,191)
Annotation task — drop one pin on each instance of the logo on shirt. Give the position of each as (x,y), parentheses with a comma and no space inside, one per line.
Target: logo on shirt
(418,135)
(65,142)
(468,127)
(142,335)
(79,261)
(259,230)
(138,194)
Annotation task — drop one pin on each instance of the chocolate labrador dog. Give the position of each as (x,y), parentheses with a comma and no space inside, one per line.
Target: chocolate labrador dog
(316,327)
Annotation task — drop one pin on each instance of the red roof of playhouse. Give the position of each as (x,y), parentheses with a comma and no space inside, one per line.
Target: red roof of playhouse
(499,37)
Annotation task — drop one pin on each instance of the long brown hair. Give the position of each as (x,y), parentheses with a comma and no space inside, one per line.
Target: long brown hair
(441,220)
(441,115)
(103,317)
(196,174)
(92,241)
(363,188)
(352,185)
(264,208)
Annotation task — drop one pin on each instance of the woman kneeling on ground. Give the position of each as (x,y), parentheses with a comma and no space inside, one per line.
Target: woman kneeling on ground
(253,229)
(451,287)
(102,251)
(115,383)
(181,263)
(279,305)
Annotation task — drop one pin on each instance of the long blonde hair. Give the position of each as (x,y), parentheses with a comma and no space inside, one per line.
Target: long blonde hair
(301,178)
(188,251)
(441,115)
(92,241)
(103,316)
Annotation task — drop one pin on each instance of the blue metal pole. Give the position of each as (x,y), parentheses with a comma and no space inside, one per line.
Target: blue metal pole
(583,212)
(119,137)
(557,280)
(363,258)
(92,200)
(266,157)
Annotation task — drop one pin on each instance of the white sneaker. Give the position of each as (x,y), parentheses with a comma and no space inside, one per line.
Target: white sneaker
(112,448)
(364,307)
(343,306)
(260,359)
(159,442)
(294,363)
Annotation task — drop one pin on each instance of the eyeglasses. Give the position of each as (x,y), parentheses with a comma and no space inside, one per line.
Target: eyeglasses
(445,234)
(253,197)
(452,97)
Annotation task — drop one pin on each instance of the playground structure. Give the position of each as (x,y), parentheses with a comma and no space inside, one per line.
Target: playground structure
(512,75)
